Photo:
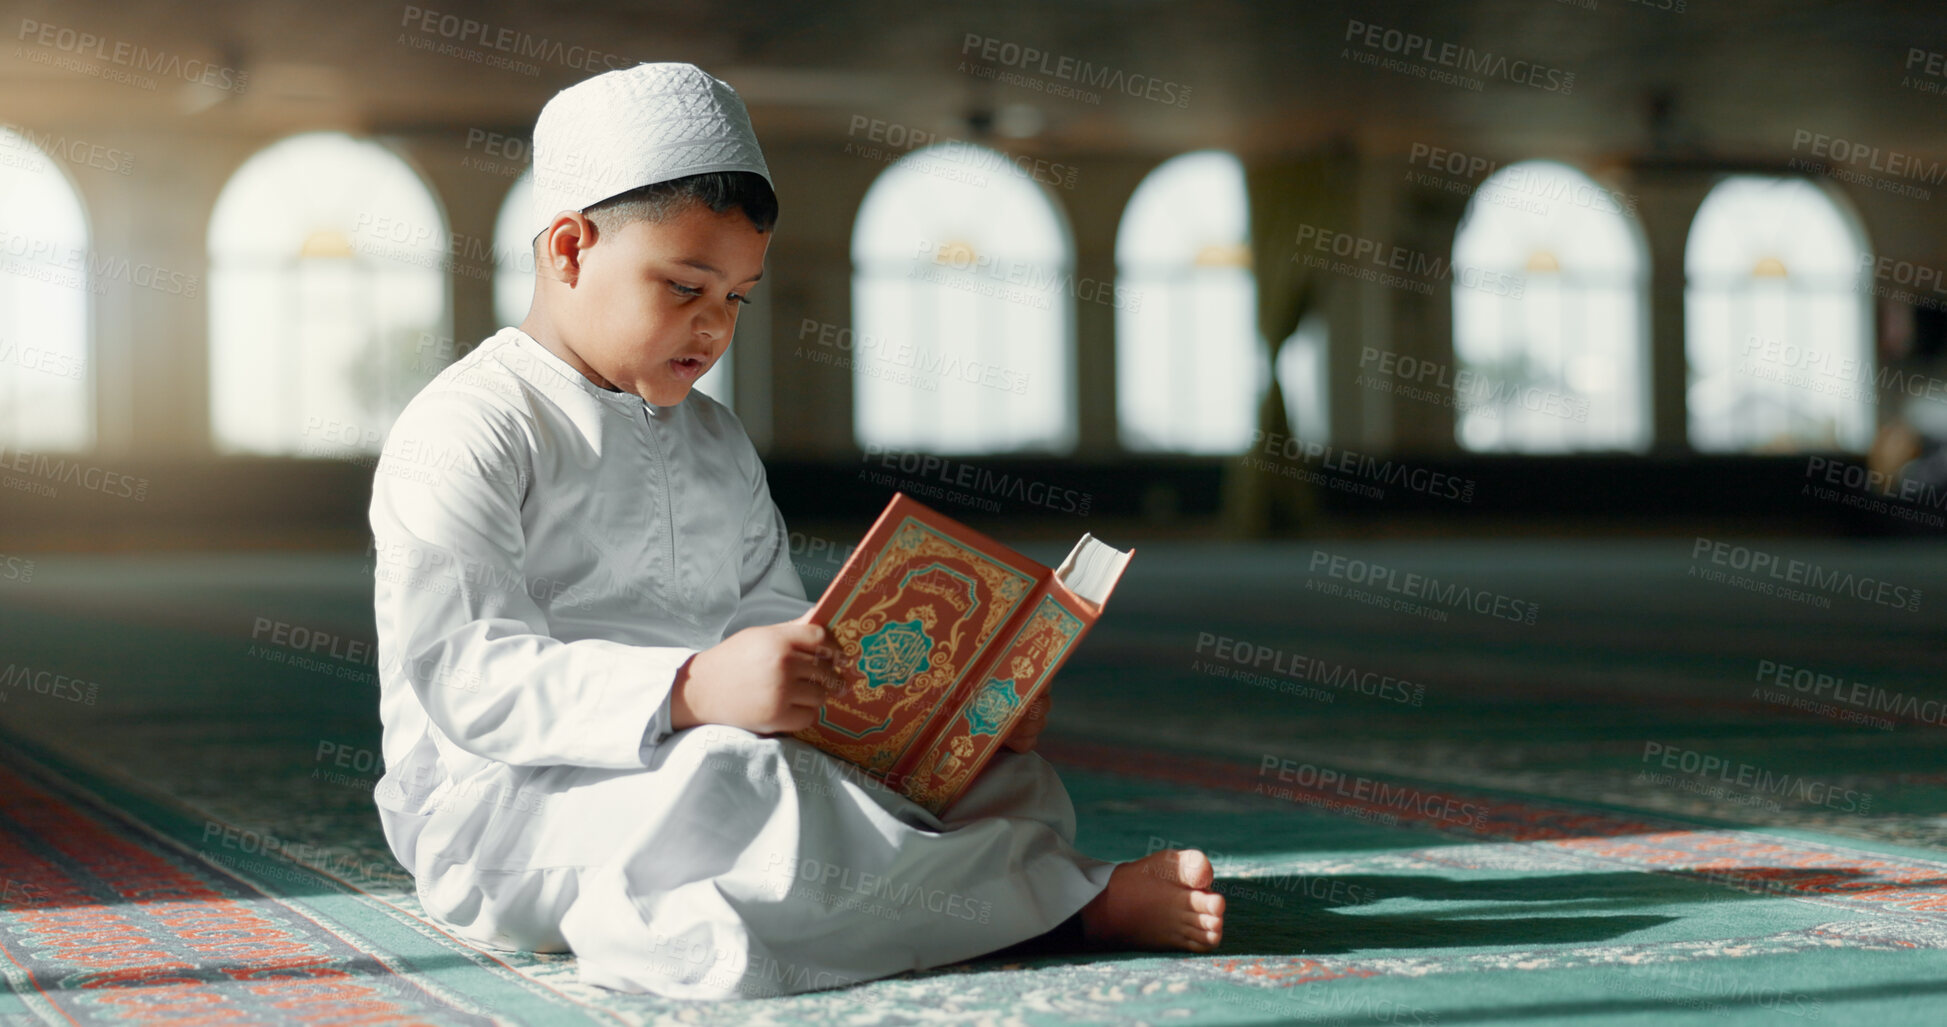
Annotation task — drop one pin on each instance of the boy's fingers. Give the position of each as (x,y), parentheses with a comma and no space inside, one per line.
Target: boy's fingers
(805,635)
(824,659)
(808,665)
(805,693)
(796,719)
(819,674)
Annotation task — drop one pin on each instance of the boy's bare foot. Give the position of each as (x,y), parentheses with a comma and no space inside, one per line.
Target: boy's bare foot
(1162,901)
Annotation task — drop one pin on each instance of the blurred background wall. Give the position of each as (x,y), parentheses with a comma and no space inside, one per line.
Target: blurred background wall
(1187,269)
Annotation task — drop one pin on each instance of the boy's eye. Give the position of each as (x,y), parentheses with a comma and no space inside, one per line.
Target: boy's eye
(692,290)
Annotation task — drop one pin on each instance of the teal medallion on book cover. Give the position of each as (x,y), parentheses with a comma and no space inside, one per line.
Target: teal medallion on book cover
(991,708)
(894,653)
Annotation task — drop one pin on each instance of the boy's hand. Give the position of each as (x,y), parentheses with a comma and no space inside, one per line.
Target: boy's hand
(1027,730)
(766,680)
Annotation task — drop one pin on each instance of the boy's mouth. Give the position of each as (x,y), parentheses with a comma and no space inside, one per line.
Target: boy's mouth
(687,367)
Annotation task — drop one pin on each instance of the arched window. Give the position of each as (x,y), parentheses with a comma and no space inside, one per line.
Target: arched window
(1775,332)
(46,374)
(1301,378)
(1189,366)
(328,261)
(513,275)
(514,280)
(962,308)
(1550,325)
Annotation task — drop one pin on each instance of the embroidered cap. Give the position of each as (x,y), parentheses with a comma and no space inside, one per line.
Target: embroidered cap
(632,127)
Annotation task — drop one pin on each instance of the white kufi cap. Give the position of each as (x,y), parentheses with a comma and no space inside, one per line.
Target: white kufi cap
(625,129)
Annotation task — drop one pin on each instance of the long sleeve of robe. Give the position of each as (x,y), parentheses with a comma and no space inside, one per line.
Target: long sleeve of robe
(537,584)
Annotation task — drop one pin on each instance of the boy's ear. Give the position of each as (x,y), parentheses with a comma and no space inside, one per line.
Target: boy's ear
(562,243)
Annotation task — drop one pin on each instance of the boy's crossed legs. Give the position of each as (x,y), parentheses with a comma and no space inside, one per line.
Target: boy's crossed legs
(740,866)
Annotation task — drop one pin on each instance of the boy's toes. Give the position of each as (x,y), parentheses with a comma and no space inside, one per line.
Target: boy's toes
(1193,868)
(1199,941)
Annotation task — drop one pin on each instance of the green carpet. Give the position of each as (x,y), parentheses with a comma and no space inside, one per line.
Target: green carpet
(1417,820)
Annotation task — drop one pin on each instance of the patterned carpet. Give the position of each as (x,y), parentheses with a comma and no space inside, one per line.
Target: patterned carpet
(1417,820)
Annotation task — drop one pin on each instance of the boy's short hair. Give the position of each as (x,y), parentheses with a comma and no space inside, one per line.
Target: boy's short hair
(721,191)
(718,190)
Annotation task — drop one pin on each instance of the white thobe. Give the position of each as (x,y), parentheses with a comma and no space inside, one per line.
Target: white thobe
(547,553)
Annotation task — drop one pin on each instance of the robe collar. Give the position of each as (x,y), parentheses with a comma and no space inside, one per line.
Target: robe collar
(622,400)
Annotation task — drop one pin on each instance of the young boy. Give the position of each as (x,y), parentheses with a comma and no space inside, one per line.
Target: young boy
(592,643)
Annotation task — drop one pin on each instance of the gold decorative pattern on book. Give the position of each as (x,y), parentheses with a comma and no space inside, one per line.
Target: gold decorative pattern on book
(912,544)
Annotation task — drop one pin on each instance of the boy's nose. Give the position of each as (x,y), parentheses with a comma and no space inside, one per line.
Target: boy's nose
(713,323)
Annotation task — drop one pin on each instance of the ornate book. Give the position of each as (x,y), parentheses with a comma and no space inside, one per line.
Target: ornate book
(945,636)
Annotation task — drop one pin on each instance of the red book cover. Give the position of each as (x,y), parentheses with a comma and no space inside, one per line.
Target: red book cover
(944,636)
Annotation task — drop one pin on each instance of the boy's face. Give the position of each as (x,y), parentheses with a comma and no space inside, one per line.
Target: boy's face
(653,304)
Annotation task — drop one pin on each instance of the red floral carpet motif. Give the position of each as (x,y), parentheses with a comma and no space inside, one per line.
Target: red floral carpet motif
(103,925)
